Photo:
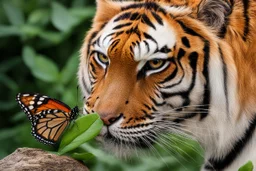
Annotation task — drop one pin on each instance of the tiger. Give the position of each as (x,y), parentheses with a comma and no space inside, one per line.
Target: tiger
(187,67)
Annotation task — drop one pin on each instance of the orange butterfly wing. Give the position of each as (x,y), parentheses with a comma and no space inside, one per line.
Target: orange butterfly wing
(48,127)
(49,117)
(33,104)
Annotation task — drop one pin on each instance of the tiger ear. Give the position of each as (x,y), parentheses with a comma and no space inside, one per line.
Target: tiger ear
(214,13)
(106,9)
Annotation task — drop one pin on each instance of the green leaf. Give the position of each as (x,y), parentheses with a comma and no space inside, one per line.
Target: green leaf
(30,31)
(77,3)
(28,56)
(83,13)
(9,31)
(53,37)
(18,117)
(61,18)
(45,69)
(70,69)
(7,133)
(84,129)
(247,167)
(13,13)
(7,105)
(9,64)
(39,17)
(8,82)
(82,156)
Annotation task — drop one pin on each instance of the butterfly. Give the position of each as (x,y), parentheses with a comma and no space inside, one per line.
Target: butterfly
(49,117)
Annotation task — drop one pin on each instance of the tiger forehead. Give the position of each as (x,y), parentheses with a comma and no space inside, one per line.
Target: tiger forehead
(136,35)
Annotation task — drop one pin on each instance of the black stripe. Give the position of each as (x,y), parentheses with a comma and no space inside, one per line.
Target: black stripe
(157,18)
(147,106)
(171,76)
(189,30)
(193,63)
(207,93)
(147,45)
(92,66)
(181,53)
(147,36)
(87,112)
(183,75)
(84,85)
(246,18)
(148,5)
(193,57)
(147,115)
(129,120)
(155,102)
(124,16)
(165,49)
(223,29)
(147,21)
(113,44)
(239,145)
(119,33)
(135,16)
(93,35)
(224,68)
(108,36)
(121,26)
(170,86)
(185,41)
(184,118)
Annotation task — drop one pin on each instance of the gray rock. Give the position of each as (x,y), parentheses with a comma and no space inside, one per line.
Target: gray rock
(28,159)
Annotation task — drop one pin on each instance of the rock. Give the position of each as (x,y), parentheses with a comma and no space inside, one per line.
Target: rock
(31,159)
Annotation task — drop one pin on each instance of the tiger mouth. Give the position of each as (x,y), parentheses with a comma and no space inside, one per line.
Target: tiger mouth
(129,137)
(143,135)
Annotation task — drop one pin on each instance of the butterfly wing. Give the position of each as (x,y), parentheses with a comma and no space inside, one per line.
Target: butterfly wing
(49,117)
(34,104)
(49,125)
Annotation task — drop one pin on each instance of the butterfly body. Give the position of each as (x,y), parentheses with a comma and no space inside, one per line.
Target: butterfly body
(49,117)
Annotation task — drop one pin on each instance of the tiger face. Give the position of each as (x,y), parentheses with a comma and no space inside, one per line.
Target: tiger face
(145,73)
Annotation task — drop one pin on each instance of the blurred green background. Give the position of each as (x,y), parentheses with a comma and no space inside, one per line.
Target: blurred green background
(39,49)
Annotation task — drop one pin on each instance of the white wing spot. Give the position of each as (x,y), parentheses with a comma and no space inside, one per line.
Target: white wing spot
(39,102)
(31,102)
(31,107)
(41,98)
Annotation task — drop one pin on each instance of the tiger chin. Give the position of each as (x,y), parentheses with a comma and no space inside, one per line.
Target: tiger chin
(151,68)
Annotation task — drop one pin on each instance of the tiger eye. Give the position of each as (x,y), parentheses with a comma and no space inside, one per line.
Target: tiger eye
(103,58)
(156,63)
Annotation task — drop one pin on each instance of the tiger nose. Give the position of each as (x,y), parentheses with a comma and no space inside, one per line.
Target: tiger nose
(110,118)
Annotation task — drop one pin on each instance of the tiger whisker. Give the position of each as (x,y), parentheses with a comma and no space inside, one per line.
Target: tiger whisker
(164,144)
(180,131)
(184,142)
(175,145)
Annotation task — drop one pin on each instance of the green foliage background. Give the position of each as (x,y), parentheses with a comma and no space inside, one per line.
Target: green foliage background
(39,49)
